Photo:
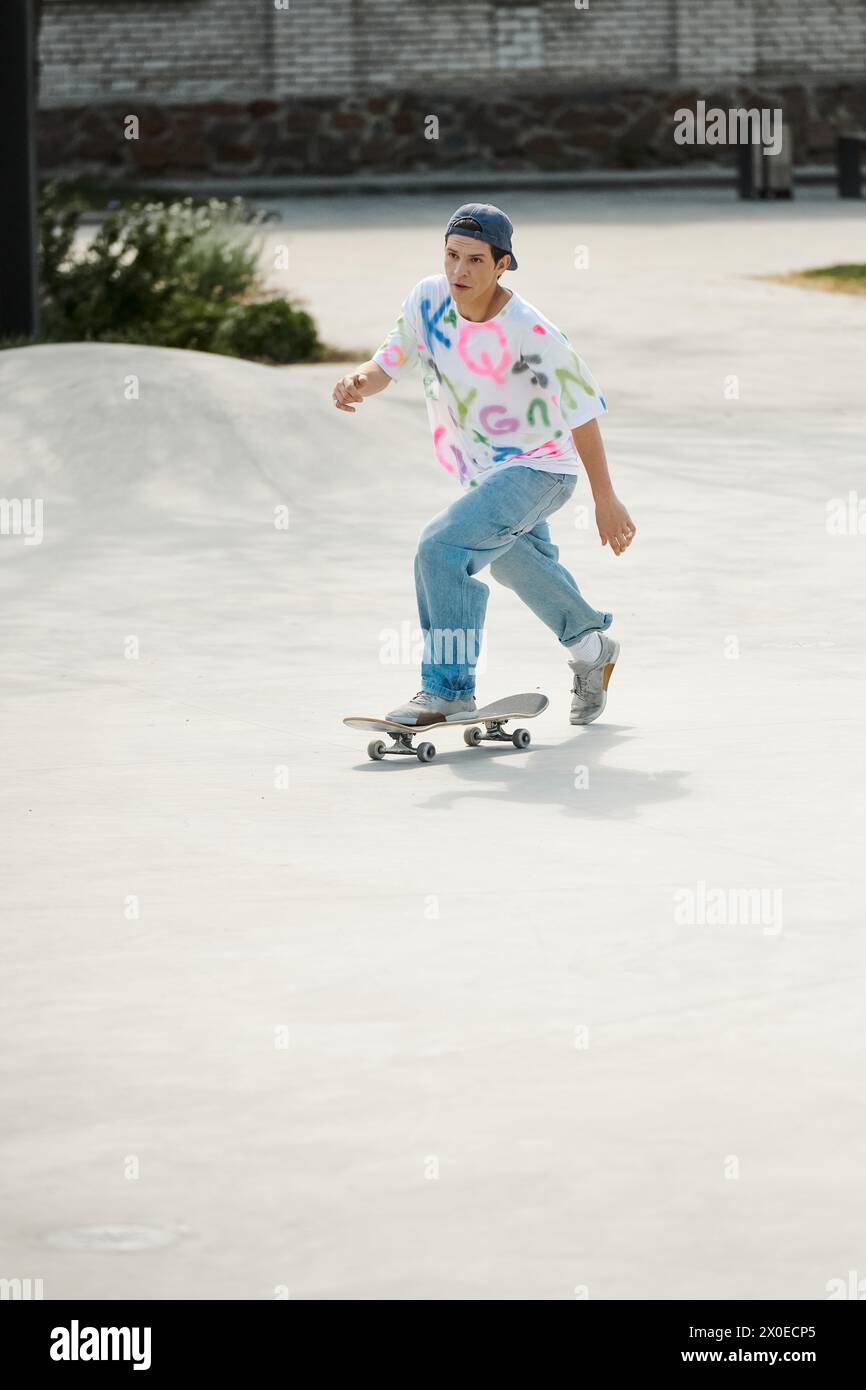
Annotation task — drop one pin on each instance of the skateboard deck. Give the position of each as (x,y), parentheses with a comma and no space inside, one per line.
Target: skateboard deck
(493,716)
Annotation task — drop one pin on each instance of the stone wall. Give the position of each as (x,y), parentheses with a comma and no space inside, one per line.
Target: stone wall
(339,86)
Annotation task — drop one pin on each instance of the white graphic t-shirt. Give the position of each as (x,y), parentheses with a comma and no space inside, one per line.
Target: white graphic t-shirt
(504,392)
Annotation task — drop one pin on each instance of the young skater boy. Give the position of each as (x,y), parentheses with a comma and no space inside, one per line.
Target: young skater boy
(514,412)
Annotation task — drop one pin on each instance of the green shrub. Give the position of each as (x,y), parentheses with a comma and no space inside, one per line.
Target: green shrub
(269,331)
(176,274)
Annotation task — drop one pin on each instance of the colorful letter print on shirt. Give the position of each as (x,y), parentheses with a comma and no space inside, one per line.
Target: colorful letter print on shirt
(505,392)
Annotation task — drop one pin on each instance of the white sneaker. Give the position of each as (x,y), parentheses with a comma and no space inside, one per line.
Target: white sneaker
(427,708)
(591,679)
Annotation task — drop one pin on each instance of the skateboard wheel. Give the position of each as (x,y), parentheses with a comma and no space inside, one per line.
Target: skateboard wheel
(426,752)
(376,750)
(472,736)
(520,738)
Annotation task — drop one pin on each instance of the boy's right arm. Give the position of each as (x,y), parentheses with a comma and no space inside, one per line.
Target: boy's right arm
(365,381)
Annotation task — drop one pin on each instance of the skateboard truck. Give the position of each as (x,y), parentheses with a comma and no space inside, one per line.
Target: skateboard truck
(401,743)
(496,734)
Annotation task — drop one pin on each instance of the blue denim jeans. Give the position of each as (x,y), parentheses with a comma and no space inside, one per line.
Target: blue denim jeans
(500,523)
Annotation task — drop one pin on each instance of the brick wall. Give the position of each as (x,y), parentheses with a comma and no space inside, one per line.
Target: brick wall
(336,85)
(814,36)
(94,51)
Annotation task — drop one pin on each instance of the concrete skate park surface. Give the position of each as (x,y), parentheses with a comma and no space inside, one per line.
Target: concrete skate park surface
(278,1018)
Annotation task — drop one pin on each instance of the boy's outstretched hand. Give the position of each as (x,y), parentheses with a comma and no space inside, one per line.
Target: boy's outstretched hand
(615,526)
(348,389)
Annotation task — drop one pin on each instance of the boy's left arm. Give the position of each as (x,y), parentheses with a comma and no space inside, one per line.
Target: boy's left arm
(615,526)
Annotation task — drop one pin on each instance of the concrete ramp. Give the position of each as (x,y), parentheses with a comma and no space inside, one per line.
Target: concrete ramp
(129,433)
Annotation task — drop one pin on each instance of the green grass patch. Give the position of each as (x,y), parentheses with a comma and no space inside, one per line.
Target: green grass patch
(839,272)
(848,278)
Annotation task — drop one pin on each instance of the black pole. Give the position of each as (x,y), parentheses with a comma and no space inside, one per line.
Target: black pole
(19,295)
(848,179)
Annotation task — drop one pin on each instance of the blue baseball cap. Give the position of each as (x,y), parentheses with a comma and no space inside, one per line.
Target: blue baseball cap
(491,225)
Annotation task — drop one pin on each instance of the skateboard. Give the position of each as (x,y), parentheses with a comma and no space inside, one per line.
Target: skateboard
(493,717)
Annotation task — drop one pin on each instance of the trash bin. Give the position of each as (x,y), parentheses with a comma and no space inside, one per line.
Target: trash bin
(764,175)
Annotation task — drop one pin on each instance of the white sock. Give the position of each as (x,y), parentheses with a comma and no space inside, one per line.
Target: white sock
(588,648)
